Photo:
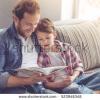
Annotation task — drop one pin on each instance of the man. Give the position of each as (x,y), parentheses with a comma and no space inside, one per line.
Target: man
(18,48)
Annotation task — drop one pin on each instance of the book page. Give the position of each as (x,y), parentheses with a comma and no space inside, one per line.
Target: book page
(49,70)
(26,72)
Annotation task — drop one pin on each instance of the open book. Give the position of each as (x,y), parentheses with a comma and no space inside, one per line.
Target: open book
(27,72)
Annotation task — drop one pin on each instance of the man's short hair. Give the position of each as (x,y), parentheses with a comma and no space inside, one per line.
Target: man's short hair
(28,6)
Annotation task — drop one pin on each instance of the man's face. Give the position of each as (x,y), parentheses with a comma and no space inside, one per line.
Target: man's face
(27,24)
(46,40)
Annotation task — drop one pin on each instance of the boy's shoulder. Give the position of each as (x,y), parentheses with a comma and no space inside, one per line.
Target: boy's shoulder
(62,45)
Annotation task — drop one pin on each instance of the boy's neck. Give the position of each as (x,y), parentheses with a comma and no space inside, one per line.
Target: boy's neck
(52,49)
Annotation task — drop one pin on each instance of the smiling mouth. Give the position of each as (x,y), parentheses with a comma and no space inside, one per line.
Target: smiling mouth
(46,45)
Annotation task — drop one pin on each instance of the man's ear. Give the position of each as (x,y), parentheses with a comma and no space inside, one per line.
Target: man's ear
(15,19)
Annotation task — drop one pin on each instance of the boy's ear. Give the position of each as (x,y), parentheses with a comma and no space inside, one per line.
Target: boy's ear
(55,34)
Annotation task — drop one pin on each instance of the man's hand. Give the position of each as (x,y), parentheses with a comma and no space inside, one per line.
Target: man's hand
(36,77)
(14,81)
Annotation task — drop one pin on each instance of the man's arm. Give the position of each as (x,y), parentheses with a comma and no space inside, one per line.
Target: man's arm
(14,81)
(3,75)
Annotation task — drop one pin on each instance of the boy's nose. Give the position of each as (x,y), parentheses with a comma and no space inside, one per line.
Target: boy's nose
(46,41)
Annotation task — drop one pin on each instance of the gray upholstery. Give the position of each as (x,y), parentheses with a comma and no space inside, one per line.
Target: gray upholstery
(85,38)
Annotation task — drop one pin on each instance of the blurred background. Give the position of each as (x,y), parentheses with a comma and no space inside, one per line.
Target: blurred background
(55,10)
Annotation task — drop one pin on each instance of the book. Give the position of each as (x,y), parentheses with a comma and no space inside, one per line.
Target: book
(27,72)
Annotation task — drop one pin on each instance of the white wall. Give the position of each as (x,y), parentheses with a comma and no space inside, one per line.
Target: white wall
(6,12)
(67,9)
(51,9)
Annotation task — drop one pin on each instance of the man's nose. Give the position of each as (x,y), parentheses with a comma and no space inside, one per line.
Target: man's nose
(33,27)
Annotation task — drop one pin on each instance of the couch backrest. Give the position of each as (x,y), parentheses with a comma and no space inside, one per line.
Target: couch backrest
(85,38)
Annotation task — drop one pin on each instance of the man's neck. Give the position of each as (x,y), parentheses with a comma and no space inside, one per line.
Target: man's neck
(23,38)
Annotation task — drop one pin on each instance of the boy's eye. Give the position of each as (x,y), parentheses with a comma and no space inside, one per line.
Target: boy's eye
(40,39)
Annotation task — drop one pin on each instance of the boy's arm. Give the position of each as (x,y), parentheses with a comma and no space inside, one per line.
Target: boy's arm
(75,75)
(77,65)
(77,68)
(76,62)
(61,84)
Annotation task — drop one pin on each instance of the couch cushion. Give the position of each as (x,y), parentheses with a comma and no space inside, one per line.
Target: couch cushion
(1,30)
(85,38)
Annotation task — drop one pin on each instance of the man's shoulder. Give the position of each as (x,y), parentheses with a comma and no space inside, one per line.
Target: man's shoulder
(3,34)
(3,31)
(6,33)
(6,36)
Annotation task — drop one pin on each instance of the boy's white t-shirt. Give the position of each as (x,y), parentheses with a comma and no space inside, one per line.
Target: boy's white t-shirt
(29,54)
(56,59)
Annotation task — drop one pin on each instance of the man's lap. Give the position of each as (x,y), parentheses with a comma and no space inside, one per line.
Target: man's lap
(14,90)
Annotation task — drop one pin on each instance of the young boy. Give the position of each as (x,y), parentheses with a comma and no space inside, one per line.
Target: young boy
(56,53)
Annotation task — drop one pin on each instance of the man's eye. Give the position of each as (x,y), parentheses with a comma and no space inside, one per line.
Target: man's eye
(47,38)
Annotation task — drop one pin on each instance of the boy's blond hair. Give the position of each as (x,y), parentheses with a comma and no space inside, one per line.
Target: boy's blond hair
(45,25)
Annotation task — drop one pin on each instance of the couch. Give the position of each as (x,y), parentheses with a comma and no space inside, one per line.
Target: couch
(84,36)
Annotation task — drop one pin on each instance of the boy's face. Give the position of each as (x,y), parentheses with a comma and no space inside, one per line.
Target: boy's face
(27,24)
(46,40)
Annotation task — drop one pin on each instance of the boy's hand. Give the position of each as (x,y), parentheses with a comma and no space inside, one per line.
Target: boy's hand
(61,84)
(50,77)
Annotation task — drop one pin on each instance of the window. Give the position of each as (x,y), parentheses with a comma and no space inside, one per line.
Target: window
(66,9)
(89,9)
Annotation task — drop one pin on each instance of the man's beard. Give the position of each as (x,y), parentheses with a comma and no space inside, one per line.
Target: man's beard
(20,32)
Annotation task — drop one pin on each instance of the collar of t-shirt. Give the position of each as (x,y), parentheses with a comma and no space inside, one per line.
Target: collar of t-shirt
(29,54)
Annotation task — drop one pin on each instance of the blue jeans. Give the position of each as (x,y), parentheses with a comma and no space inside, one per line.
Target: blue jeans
(40,89)
(14,90)
(91,80)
